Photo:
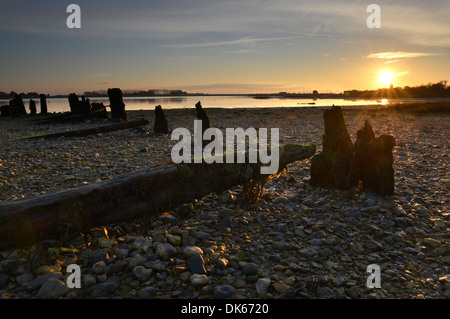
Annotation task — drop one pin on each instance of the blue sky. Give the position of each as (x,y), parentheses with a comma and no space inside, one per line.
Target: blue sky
(226,46)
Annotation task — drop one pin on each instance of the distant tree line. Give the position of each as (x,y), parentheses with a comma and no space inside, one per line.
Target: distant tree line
(137,93)
(439,89)
(12,94)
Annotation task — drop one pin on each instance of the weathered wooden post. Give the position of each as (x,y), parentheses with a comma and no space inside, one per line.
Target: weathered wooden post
(116,104)
(20,106)
(43,103)
(373,161)
(201,115)
(85,105)
(5,111)
(330,168)
(74,103)
(32,107)
(161,125)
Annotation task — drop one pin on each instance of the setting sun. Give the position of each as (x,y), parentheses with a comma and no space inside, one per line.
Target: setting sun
(386,77)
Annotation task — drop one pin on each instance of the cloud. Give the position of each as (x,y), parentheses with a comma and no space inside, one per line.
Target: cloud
(241,41)
(402,73)
(398,55)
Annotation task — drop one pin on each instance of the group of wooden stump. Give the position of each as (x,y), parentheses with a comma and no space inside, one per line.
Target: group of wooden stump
(343,164)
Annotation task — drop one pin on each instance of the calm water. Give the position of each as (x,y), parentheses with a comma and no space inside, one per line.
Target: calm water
(146,103)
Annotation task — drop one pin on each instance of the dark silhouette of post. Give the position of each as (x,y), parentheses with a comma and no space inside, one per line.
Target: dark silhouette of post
(201,115)
(77,106)
(116,104)
(161,125)
(20,106)
(43,103)
(32,107)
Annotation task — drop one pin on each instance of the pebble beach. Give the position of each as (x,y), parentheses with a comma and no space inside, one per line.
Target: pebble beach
(296,241)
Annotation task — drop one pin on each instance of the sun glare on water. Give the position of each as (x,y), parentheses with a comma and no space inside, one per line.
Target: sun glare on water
(386,78)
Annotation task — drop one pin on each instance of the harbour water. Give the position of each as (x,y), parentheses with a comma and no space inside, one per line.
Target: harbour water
(222,101)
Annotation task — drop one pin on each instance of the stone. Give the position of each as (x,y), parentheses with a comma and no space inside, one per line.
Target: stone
(433,243)
(197,265)
(308,252)
(142,244)
(165,251)
(201,235)
(121,253)
(353,214)
(198,280)
(442,250)
(173,239)
(3,279)
(147,292)
(88,280)
(354,292)
(100,255)
(42,270)
(445,259)
(53,289)
(250,269)
(141,273)
(262,286)
(224,292)
(136,260)
(40,280)
(99,268)
(157,265)
(191,251)
(222,263)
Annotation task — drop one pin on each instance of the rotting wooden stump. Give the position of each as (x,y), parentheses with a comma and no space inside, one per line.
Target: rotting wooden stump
(161,124)
(330,168)
(43,99)
(373,161)
(116,104)
(342,165)
(126,197)
(201,115)
(32,107)
(77,106)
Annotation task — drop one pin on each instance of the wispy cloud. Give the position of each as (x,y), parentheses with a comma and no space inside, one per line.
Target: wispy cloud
(398,55)
(241,41)
(401,73)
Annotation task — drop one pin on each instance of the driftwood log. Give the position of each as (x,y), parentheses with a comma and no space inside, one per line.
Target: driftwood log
(91,131)
(126,197)
(68,117)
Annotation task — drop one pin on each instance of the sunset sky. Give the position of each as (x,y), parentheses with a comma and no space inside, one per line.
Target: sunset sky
(226,46)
